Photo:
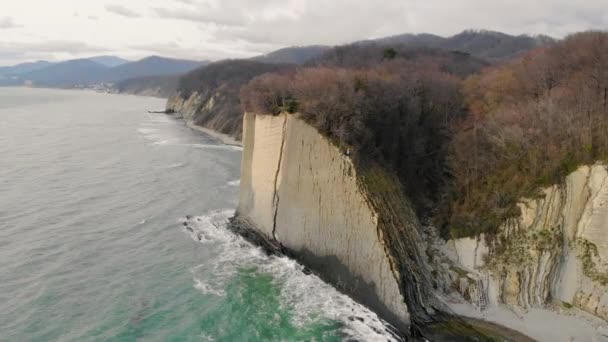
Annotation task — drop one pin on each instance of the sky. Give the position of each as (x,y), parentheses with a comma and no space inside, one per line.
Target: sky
(215,29)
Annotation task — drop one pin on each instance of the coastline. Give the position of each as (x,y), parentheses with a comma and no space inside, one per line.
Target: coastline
(566,325)
(224,138)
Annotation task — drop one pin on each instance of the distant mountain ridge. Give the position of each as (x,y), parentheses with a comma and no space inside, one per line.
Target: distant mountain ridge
(293,55)
(154,66)
(109,61)
(489,45)
(95,70)
(23,68)
(149,74)
(209,96)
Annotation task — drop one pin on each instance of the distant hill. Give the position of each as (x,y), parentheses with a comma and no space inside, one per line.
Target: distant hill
(23,68)
(109,61)
(89,71)
(493,45)
(209,96)
(356,56)
(489,45)
(413,40)
(157,86)
(293,55)
(214,90)
(153,66)
(68,73)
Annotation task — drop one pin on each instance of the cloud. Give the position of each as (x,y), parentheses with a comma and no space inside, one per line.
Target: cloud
(241,28)
(205,15)
(7,23)
(298,22)
(122,11)
(552,17)
(210,51)
(318,22)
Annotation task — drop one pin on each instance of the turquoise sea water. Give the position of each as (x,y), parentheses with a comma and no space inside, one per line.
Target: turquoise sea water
(94,194)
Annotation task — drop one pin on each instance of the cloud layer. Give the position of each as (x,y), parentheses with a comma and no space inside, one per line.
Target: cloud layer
(214,29)
(121,10)
(7,23)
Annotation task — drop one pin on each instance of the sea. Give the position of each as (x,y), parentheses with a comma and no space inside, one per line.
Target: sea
(113,227)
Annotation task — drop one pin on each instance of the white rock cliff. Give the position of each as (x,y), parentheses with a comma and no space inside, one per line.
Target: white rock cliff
(301,191)
(556,253)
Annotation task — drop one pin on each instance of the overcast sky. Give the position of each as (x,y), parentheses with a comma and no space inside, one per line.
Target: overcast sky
(215,29)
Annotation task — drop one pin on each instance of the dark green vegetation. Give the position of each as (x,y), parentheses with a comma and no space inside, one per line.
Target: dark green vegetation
(466,142)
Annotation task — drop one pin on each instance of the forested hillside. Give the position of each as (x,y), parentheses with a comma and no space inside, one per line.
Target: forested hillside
(213,93)
(466,145)
(216,104)
(489,45)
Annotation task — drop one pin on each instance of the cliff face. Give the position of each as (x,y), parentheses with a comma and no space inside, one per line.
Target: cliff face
(209,97)
(353,226)
(184,108)
(209,111)
(302,192)
(556,253)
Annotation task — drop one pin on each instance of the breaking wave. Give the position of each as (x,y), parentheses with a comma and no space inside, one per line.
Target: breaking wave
(306,296)
(234,182)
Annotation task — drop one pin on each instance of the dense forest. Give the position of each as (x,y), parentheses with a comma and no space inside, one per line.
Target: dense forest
(221,81)
(466,140)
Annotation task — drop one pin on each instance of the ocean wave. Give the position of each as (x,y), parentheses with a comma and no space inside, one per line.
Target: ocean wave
(217,147)
(159,118)
(147,131)
(155,136)
(175,166)
(234,182)
(308,298)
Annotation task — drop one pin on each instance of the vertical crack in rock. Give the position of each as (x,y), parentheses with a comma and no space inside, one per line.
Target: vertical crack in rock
(275,199)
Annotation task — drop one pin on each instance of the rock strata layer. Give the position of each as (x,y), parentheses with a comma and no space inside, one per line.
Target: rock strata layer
(556,253)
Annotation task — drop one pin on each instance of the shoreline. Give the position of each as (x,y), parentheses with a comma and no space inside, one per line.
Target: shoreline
(574,325)
(224,138)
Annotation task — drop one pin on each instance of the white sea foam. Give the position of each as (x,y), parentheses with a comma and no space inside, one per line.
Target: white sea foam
(217,147)
(235,182)
(161,142)
(154,135)
(147,131)
(159,118)
(175,166)
(308,298)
